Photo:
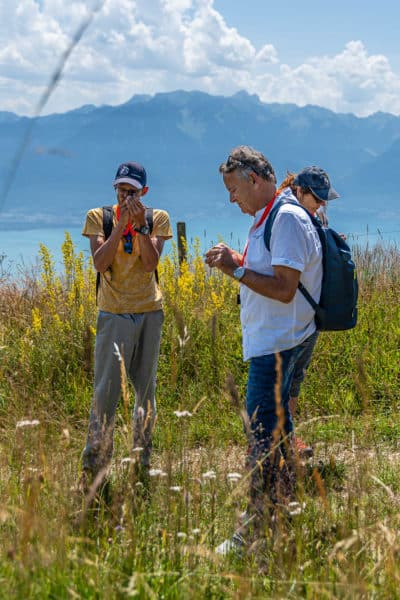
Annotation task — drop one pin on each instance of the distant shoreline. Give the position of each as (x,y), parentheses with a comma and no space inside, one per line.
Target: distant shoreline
(35,226)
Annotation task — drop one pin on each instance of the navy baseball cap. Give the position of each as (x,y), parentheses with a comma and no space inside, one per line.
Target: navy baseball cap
(132,173)
(318,181)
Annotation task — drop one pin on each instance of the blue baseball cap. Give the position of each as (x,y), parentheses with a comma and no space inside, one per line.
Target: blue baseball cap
(132,173)
(318,181)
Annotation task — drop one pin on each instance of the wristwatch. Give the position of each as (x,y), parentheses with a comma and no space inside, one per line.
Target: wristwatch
(144,229)
(239,272)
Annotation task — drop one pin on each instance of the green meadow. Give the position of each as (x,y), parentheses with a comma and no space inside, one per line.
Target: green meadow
(158,541)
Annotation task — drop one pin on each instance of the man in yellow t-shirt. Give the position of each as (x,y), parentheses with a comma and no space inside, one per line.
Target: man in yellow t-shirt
(130,316)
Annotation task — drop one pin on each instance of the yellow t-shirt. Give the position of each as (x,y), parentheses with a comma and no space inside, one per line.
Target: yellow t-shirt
(126,287)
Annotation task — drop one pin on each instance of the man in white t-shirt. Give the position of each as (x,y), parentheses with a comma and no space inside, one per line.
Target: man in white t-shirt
(276,318)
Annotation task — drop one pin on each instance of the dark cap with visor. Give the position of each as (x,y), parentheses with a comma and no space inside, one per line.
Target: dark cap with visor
(132,173)
(317,180)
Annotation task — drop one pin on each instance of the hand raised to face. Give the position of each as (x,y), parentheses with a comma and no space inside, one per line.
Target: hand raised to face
(132,209)
(137,209)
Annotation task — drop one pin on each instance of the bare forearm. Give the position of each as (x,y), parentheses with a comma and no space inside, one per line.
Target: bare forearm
(271,286)
(149,252)
(105,253)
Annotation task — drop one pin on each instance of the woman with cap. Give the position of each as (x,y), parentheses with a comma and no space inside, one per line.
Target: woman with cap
(313,190)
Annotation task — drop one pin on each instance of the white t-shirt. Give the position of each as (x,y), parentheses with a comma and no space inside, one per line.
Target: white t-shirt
(268,325)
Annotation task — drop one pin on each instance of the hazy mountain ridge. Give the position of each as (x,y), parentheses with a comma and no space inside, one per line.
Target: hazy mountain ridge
(181,138)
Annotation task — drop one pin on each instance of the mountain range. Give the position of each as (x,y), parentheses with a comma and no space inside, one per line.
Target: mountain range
(70,159)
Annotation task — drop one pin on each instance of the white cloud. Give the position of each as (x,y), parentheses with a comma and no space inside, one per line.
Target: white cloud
(146,46)
(30,40)
(209,43)
(351,81)
(267,54)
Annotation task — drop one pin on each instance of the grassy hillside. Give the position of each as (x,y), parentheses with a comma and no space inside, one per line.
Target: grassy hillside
(158,542)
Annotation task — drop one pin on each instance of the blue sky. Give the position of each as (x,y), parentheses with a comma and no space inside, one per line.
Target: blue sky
(300,29)
(341,55)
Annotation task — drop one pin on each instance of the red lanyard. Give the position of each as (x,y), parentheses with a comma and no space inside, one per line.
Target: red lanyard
(128,228)
(259,223)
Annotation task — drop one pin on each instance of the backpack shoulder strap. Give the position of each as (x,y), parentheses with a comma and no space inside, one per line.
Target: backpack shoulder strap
(150,221)
(271,219)
(149,218)
(107,221)
(267,239)
(308,296)
(107,228)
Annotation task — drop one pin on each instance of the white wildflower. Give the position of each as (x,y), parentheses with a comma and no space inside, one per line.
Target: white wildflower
(233,477)
(295,508)
(21,424)
(182,413)
(186,337)
(175,488)
(181,534)
(196,531)
(157,473)
(209,475)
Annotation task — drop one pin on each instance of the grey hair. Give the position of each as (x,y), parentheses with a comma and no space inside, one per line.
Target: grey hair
(246,160)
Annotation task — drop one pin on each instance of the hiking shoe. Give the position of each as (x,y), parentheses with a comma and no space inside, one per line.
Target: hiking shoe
(235,546)
(302,449)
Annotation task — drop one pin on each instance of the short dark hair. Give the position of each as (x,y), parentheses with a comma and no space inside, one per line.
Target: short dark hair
(246,159)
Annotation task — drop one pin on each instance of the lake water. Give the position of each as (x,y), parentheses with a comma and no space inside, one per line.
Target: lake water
(20,249)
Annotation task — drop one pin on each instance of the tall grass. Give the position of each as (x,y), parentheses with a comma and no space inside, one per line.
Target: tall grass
(159,542)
